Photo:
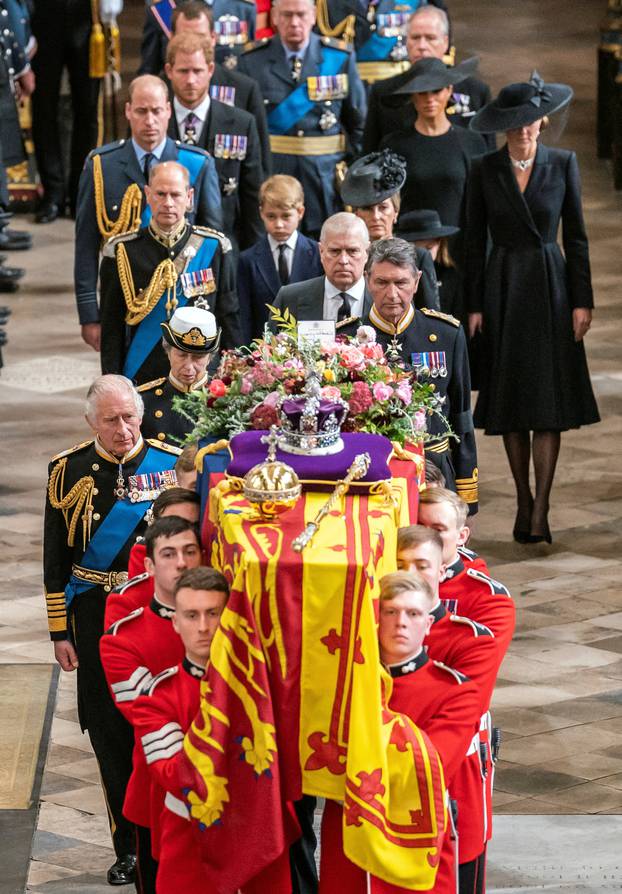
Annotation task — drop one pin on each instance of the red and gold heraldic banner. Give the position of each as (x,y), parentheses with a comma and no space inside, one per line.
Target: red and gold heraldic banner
(295,699)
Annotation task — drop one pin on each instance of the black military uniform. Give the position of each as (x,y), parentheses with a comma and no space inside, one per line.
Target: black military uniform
(62,29)
(231,87)
(90,526)
(161,421)
(439,341)
(203,267)
(230,136)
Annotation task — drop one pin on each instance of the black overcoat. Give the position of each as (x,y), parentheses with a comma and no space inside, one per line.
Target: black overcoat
(535,375)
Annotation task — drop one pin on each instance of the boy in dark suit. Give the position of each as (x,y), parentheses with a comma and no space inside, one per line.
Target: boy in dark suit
(280,257)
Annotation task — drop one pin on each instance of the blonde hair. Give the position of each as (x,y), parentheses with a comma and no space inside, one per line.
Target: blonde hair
(398,582)
(189,43)
(283,191)
(416,535)
(442,495)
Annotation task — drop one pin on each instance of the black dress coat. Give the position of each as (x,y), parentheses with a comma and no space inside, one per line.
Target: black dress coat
(535,375)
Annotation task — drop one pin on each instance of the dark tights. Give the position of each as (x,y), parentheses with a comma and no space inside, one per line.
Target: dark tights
(532,512)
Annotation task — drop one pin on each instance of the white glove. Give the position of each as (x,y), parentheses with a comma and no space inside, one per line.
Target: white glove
(109,10)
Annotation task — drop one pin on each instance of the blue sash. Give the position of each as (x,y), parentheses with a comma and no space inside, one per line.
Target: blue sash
(193,162)
(295,106)
(377,48)
(118,526)
(148,332)
(212,462)
(163,14)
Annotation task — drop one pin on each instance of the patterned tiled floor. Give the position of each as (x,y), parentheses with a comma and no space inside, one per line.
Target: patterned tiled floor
(559,698)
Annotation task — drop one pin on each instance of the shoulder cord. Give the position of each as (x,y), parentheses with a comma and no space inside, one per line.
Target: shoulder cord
(343,29)
(129,216)
(138,306)
(79,497)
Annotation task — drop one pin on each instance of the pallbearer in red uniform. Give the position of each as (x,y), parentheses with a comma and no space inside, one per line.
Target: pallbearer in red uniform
(439,699)
(139,646)
(468,591)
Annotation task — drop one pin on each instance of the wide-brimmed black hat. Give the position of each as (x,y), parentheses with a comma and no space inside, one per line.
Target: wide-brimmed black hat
(431,74)
(415,226)
(192,329)
(373,178)
(519,105)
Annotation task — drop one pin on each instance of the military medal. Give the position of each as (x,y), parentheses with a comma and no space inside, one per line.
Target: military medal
(430,363)
(328,118)
(120,490)
(461,105)
(198,282)
(224,94)
(148,486)
(227,145)
(230,31)
(323,87)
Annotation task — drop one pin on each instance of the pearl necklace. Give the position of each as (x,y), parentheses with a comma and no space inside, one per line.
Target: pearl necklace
(522,165)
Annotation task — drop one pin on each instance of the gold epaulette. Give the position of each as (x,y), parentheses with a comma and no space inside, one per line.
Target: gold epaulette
(337,44)
(255,45)
(458,677)
(447,318)
(162,445)
(153,384)
(111,244)
(73,449)
(225,242)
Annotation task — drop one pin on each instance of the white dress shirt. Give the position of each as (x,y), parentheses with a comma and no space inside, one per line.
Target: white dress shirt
(289,254)
(333,300)
(181,113)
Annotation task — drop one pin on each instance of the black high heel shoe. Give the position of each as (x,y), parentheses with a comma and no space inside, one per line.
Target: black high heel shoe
(520,534)
(541,538)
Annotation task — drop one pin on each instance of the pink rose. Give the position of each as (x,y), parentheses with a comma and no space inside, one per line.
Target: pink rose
(330,392)
(217,388)
(420,424)
(246,385)
(272,399)
(373,351)
(351,357)
(381,391)
(366,335)
(405,393)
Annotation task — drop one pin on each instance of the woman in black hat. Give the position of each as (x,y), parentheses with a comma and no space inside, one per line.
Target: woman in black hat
(372,188)
(438,155)
(425,229)
(531,302)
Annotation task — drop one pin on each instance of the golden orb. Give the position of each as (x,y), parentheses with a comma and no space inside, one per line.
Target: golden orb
(272,487)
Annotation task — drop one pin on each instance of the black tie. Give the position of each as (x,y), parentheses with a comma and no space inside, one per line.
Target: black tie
(282,265)
(345,310)
(147,165)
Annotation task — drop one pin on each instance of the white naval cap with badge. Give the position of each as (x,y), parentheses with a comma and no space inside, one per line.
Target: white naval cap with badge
(192,329)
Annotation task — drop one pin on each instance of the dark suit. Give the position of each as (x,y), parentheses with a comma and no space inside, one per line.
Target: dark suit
(268,63)
(259,283)
(239,179)
(389,111)
(306,302)
(428,292)
(120,170)
(246,93)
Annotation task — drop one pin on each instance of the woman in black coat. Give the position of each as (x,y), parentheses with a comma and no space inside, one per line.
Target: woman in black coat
(531,302)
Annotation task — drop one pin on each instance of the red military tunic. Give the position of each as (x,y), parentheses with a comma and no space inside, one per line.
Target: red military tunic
(133,650)
(162,716)
(467,590)
(468,556)
(446,706)
(123,600)
(136,560)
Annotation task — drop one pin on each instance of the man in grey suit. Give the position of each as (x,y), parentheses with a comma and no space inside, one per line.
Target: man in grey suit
(341,294)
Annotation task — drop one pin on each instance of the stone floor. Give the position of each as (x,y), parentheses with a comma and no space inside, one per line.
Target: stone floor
(559,696)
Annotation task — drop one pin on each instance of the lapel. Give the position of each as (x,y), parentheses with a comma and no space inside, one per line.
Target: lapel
(265,265)
(173,128)
(311,300)
(312,59)
(302,255)
(170,151)
(218,121)
(367,303)
(129,162)
(506,178)
(277,61)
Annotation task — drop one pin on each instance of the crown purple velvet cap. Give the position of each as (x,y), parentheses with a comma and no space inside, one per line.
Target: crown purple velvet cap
(316,472)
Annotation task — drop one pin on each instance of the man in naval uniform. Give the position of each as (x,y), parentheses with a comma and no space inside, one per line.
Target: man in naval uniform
(190,339)
(379,31)
(315,101)
(228,134)
(227,85)
(97,496)
(147,274)
(427,35)
(434,345)
(111,192)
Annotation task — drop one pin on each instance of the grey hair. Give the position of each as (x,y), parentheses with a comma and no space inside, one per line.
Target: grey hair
(112,384)
(344,222)
(395,251)
(165,166)
(439,13)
